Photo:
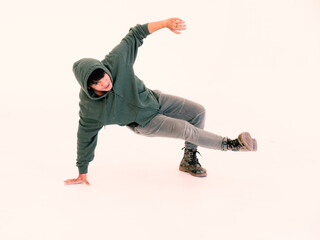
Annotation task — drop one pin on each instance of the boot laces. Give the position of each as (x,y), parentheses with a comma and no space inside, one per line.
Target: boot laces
(234,143)
(193,156)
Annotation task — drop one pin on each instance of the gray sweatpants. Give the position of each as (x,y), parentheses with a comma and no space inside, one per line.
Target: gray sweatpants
(182,119)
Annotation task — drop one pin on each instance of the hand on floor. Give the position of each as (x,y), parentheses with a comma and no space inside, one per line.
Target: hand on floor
(82,178)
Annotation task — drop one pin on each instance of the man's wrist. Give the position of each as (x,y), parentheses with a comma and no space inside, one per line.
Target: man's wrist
(155,26)
(165,23)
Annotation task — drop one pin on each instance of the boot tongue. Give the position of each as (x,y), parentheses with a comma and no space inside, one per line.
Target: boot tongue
(193,157)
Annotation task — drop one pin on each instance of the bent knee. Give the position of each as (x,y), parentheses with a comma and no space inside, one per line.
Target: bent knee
(200,112)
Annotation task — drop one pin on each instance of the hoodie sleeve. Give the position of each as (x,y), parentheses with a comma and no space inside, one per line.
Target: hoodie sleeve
(128,47)
(87,142)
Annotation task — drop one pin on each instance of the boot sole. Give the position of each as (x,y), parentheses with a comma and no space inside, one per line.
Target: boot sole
(193,174)
(249,142)
(255,144)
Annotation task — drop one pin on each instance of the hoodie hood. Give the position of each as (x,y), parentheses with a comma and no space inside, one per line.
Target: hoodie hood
(82,70)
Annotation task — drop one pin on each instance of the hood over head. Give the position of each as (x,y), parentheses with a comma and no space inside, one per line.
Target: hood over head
(82,70)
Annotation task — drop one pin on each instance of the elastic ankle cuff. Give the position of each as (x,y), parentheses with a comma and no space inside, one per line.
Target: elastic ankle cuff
(224,144)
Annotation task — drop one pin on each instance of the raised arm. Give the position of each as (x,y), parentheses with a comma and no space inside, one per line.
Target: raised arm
(127,49)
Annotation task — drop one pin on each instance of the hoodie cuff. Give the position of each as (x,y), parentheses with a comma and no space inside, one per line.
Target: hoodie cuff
(83,169)
(145,29)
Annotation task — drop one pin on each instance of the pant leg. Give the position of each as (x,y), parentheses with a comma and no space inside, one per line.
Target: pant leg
(184,109)
(164,126)
(183,119)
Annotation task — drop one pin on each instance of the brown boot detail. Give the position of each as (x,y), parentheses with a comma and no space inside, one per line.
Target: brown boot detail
(190,164)
(243,143)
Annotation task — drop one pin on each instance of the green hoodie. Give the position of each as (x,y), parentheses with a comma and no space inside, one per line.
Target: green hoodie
(129,101)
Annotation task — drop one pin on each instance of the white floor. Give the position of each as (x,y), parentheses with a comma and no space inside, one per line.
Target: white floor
(137,191)
(255,68)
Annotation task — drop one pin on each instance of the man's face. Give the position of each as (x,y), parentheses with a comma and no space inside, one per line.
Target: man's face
(104,85)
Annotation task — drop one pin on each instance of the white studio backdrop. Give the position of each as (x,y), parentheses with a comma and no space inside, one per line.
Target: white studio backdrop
(254,65)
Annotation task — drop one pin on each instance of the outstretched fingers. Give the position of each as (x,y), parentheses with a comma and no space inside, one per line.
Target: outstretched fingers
(75,181)
(71,181)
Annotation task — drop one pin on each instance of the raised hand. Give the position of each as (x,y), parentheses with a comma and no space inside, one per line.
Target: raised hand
(176,25)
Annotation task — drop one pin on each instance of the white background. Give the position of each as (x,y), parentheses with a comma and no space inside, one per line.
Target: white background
(254,65)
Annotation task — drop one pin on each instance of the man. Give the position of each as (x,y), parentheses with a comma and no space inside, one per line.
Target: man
(112,94)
